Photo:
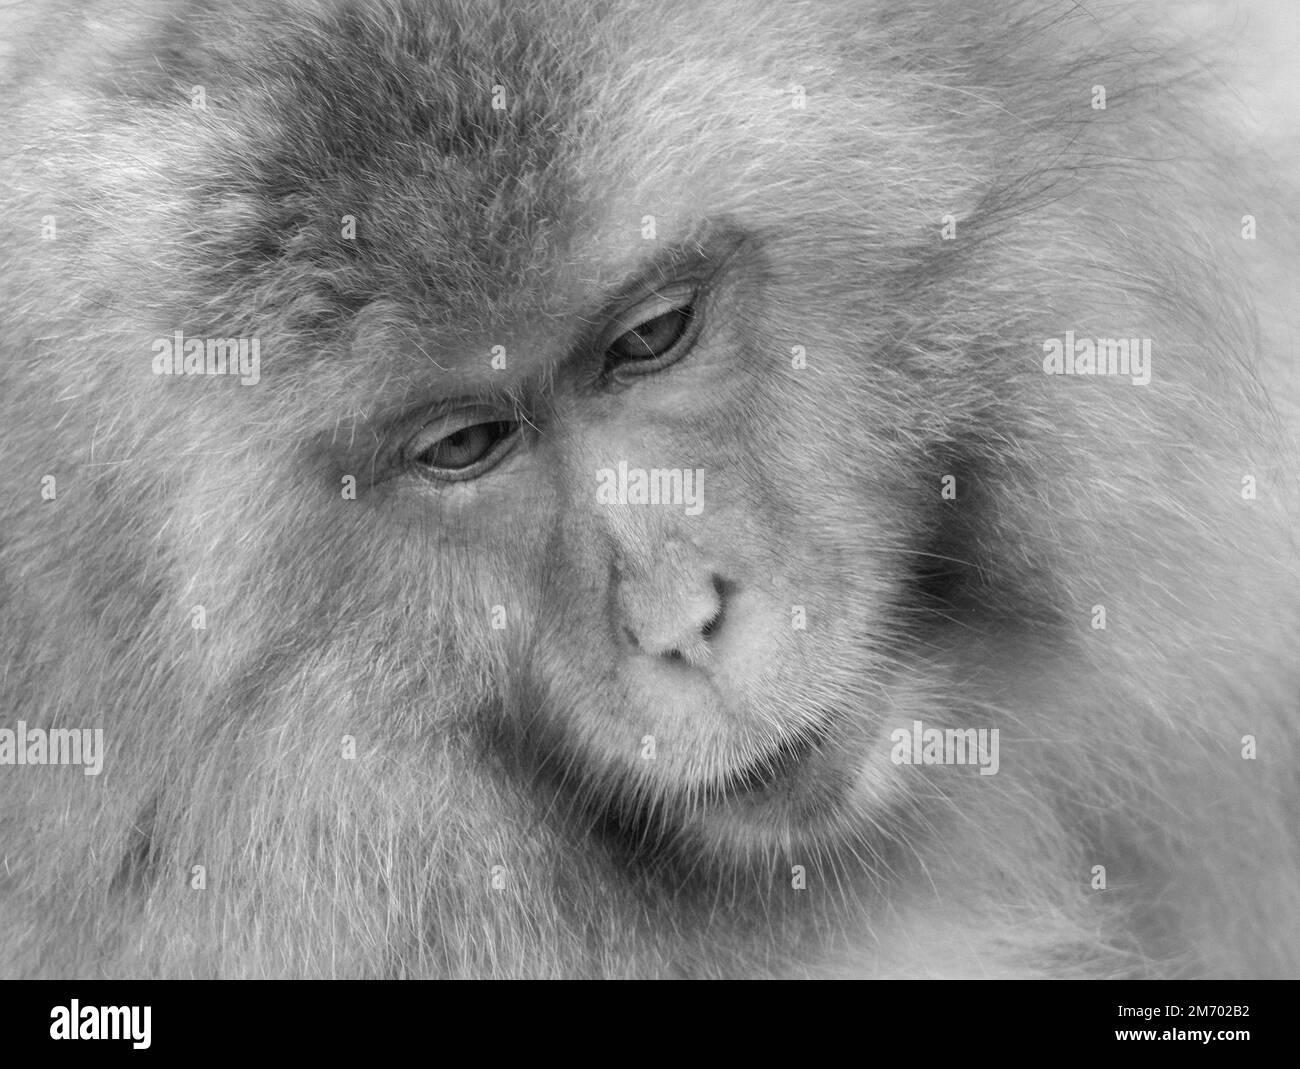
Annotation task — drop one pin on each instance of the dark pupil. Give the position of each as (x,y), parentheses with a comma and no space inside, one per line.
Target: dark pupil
(464,447)
(654,337)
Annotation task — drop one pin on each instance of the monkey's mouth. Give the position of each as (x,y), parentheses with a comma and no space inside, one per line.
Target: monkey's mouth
(777,766)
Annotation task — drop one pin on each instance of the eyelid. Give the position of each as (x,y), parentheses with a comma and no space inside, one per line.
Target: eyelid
(446,423)
(438,427)
(660,302)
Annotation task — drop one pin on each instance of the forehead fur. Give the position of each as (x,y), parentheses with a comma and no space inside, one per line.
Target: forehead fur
(478,150)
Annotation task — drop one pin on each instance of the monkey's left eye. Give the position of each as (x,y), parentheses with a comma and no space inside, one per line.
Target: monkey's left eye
(461,448)
(653,337)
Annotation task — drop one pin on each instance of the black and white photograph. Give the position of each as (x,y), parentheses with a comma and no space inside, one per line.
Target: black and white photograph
(649,489)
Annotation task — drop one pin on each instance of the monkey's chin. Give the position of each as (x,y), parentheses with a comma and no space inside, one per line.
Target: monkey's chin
(807,792)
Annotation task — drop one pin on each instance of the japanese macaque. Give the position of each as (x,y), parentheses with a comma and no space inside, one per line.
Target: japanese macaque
(668,490)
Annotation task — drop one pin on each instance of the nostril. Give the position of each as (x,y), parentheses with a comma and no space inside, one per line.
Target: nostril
(712,625)
(677,625)
(720,590)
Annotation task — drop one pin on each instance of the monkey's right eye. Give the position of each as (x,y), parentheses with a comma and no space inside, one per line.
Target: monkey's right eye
(654,335)
(460,447)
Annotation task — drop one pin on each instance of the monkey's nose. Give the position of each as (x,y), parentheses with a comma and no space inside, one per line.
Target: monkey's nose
(675,623)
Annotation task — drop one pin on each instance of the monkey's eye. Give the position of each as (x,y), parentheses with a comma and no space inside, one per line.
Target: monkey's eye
(653,336)
(461,446)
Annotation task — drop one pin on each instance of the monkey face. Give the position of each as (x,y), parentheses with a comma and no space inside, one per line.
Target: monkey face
(692,601)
